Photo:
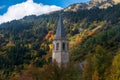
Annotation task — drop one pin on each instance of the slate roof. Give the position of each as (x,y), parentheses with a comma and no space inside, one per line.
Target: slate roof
(60,32)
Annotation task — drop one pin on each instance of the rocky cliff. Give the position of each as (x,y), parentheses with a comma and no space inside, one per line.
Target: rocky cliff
(102,4)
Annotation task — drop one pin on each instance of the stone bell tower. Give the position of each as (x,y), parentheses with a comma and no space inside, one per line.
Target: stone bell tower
(60,53)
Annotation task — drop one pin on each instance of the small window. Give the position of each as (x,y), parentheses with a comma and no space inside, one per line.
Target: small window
(63,46)
(57,46)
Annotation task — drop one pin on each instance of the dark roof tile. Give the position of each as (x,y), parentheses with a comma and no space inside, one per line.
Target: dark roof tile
(60,32)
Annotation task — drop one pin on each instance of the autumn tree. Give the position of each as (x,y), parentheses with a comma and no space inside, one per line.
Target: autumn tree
(87,69)
(115,68)
(101,61)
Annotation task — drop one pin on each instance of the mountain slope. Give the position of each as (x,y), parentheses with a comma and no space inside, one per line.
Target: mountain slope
(102,4)
(28,42)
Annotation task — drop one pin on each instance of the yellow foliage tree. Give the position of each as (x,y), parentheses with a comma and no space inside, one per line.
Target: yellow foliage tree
(115,68)
(87,70)
(95,76)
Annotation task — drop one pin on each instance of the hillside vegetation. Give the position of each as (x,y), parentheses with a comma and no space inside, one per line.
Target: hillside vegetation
(94,35)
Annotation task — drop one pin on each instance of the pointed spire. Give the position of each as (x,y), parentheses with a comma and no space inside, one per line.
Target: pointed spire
(60,32)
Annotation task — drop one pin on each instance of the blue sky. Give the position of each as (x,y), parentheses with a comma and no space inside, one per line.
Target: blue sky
(4,4)
(17,9)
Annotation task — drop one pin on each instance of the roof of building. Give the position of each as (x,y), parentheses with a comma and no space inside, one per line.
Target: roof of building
(60,32)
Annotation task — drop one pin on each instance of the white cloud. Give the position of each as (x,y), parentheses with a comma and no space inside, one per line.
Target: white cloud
(27,8)
(3,6)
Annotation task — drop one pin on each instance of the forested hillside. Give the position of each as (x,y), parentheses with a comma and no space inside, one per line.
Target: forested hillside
(94,35)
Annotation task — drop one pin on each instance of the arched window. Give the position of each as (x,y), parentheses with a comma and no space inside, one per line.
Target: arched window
(57,46)
(63,46)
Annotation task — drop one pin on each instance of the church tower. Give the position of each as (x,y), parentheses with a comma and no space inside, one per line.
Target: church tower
(60,46)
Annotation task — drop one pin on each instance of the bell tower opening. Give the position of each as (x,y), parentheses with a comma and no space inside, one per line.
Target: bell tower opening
(57,46)
(63,46)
